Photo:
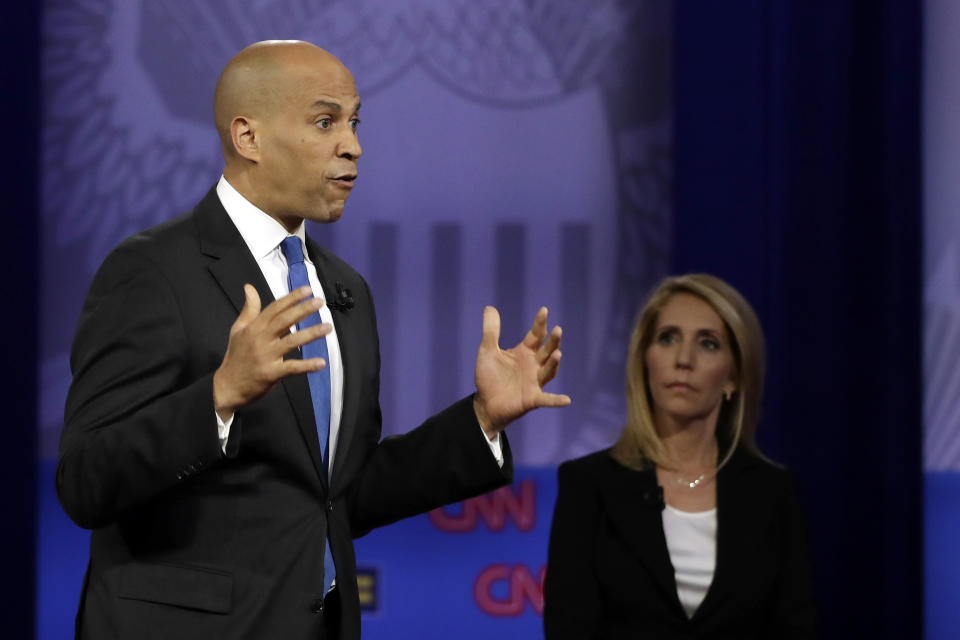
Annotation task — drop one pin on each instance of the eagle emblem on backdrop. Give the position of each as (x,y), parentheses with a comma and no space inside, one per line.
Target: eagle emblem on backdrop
(127,140)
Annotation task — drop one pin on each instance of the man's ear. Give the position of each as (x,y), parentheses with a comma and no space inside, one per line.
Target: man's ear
(243,135)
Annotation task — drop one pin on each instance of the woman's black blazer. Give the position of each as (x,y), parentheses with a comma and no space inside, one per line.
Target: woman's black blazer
(609,573)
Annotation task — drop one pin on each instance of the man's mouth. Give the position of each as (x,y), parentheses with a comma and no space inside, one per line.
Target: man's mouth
(344,180)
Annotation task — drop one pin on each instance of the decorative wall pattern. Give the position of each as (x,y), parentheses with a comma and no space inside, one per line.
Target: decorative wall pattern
(536,134)
(516,153)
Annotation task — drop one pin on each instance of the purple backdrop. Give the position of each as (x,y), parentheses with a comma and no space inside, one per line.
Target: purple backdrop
(516,153)
(941,318)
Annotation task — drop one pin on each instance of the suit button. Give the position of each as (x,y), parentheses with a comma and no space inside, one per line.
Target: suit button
(180,475)
(316,607)
(329,505)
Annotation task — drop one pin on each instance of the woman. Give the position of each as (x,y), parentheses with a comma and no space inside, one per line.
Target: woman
(682,529)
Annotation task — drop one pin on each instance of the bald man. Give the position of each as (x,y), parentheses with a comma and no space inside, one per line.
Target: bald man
(221,440)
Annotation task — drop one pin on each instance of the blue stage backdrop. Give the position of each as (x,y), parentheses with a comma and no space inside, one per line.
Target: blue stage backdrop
(942,318)
(516,153)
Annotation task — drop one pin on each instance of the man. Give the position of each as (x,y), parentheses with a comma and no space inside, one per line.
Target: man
(219,469)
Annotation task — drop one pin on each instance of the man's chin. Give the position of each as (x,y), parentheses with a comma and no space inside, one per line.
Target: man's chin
(327,215)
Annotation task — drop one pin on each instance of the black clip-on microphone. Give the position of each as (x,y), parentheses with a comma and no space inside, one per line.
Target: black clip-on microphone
(342,300)
(653,498)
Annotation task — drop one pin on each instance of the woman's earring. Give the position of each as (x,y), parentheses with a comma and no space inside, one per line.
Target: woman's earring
(728,395)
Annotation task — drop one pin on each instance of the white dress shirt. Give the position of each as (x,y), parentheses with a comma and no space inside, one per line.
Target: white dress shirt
(263,235)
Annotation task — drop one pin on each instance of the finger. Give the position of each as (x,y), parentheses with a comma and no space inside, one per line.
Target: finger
(294,315)
(491,328)
(299,338)
(548,347)
(552,400)
(251,305)
(538,331)
(295,366)
(549,369)
(288,301)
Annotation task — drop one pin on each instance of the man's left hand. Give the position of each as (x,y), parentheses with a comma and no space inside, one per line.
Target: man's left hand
(510,383)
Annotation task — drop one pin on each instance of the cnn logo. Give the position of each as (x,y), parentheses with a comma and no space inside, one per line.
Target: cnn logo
(519,585)
(517,503)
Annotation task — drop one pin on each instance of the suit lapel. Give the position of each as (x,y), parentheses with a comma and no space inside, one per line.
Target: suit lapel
(632,502)
(346,338)
(232,267)
(734,540)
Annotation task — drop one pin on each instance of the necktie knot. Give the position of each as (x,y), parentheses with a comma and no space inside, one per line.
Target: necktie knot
(292,250)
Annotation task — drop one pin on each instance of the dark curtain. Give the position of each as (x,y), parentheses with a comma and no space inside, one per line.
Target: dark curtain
(798,179)
(20,115)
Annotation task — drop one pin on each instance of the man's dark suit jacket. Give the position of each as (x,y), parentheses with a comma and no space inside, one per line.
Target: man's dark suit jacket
(188,542)
(609,573)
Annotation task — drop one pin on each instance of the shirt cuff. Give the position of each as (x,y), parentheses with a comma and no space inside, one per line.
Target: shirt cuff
(495,447)
(223,431)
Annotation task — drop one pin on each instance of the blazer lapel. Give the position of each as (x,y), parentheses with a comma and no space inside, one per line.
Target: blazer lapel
(734,540)
(346,338)
(633,502)
(234,266)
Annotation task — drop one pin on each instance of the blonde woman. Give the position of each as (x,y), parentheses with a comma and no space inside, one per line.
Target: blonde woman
(682,529)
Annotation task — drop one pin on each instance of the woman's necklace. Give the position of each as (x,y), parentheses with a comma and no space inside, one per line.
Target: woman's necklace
(703,478)
(696,482)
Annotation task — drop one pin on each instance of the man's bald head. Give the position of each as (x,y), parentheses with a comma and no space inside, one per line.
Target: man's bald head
(258,81)
(287,113)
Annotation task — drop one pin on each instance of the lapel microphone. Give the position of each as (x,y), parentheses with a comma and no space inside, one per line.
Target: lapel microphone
(653,498)
(342,300)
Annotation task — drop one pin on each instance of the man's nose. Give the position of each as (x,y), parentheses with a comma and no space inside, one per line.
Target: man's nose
(349,147)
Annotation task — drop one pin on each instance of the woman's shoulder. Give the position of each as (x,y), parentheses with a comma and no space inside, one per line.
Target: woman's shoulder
(598,462)
(756,469)
(599,466)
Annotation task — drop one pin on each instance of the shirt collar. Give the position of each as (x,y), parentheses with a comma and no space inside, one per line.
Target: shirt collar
(262,233)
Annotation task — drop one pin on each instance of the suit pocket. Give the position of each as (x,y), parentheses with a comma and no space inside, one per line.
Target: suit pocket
(177,585)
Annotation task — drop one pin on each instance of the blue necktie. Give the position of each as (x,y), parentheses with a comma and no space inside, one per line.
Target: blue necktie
(318,381)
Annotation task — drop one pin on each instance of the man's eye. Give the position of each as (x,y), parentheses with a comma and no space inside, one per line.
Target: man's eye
(354,123)
(324,123)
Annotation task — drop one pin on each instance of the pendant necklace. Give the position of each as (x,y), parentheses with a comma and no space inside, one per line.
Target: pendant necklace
(696,482)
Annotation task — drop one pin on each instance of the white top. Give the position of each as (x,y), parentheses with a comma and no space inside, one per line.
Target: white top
(692,544)
(263,235)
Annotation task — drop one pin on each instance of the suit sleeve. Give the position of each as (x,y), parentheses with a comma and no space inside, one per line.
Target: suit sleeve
(572,603)
(444,460)
(793,615)
(133,426)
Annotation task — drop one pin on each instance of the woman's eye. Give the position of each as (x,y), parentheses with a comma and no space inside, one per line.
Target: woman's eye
(710,345)
(665,338)
(324,123)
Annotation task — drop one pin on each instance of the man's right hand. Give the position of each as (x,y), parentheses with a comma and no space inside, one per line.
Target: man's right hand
(259,339)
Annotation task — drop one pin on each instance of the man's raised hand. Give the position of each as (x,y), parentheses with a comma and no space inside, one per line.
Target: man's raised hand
(254,362)
(510,383)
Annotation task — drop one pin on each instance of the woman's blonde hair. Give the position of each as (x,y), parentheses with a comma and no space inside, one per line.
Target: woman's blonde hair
(639,446)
